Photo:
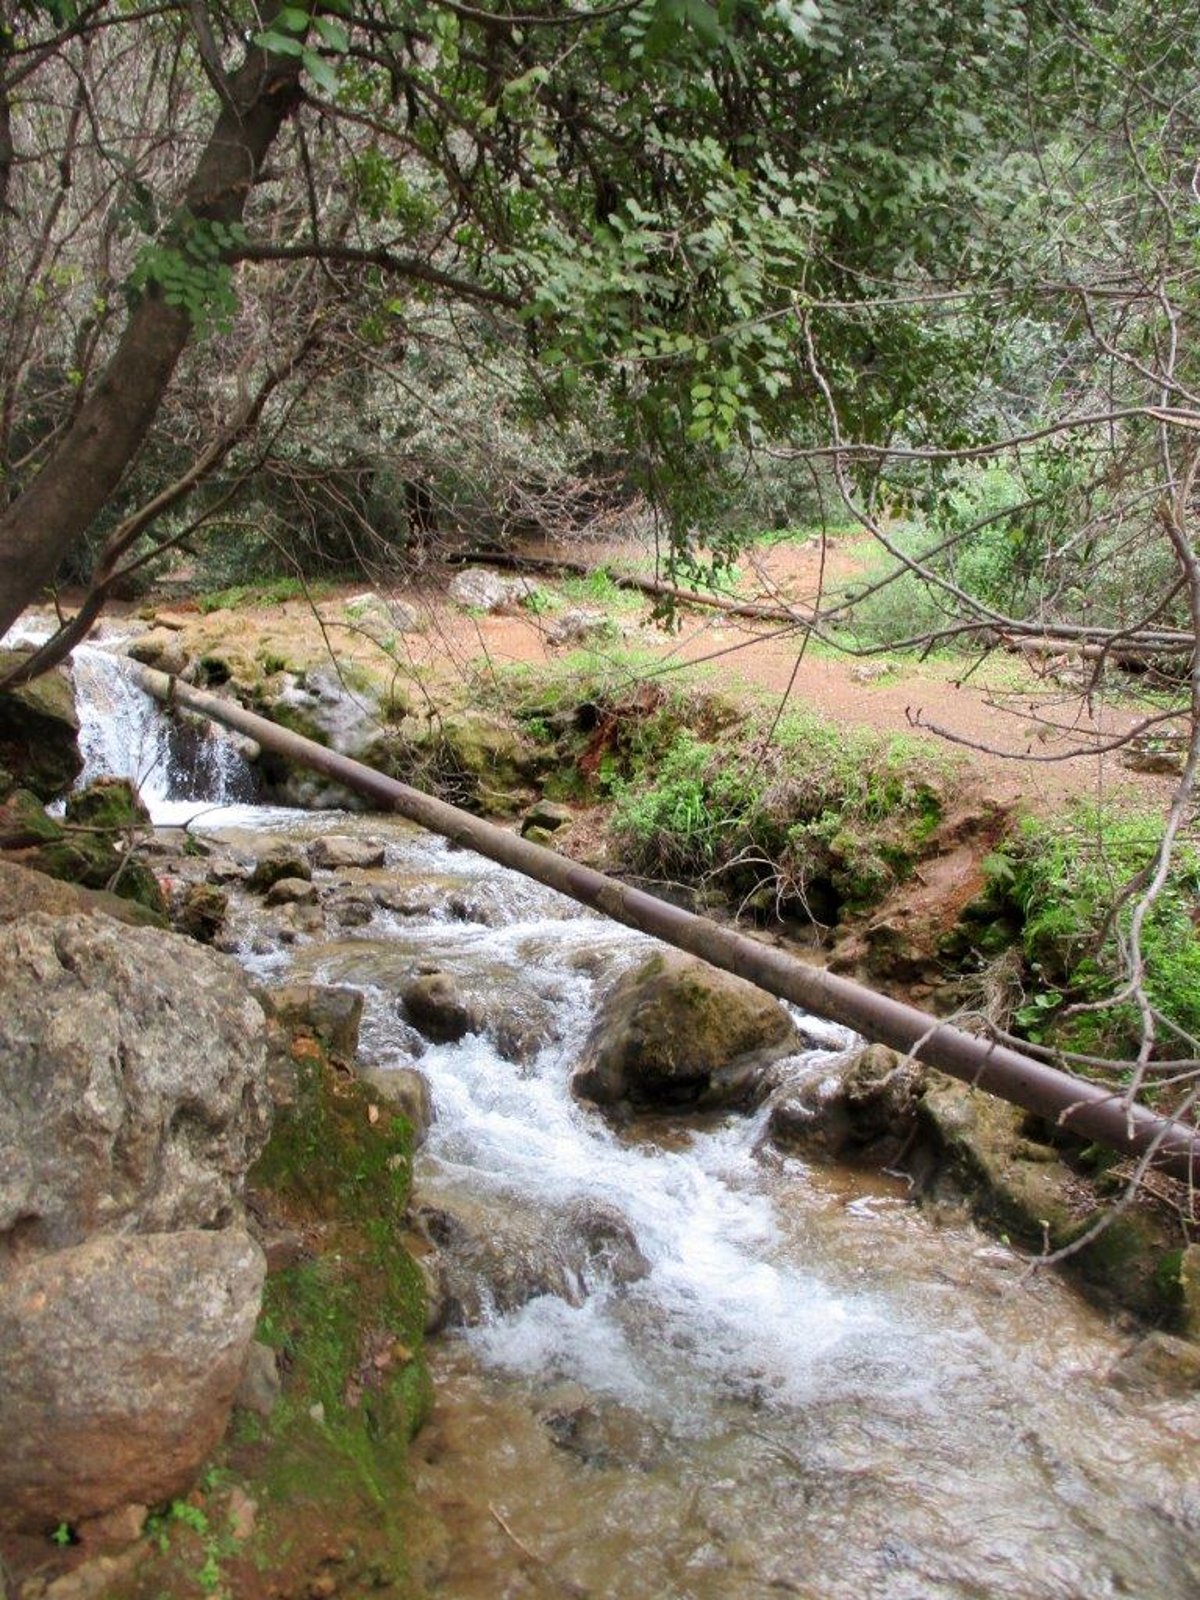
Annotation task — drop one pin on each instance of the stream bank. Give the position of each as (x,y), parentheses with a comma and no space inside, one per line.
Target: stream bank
(879,858)
(577,1432)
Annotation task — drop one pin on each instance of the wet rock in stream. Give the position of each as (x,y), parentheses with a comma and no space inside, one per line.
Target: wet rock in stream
(283,861)
(676,1032)
(444,1011)
(292,892)
(437,1008)
(860,1108)
(600,1432)
(337,853)
(486,1260)
(407,1091)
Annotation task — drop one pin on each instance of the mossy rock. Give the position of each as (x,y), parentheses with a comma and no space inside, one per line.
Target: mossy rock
(90,859)
(677,1032)
(24,822)
(492,755)
(160,648)
(1189,1290)
(991,1154)
(39,732)
(349,1323)
(201,912)
(479,762)
(111,805)
(283,861)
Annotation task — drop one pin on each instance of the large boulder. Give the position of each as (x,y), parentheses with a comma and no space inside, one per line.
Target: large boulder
(675,1032)
(480,589)
(133,1097)
(132,1083)
(39,732)
(121,1359)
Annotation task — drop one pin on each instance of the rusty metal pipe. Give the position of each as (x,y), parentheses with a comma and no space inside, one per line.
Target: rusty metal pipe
(1088,1110)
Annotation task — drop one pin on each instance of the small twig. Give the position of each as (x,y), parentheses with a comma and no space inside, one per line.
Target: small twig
(520,1543)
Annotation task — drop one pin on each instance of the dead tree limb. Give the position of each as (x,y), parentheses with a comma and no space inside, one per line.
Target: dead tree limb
(653,587)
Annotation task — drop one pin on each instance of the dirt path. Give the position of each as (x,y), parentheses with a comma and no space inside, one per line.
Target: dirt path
(1020,733)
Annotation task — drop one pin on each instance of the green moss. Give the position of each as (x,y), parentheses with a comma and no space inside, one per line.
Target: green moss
(89,859)
(350,1323)
(39,745)
(110,805)
(24,822)
(272,591)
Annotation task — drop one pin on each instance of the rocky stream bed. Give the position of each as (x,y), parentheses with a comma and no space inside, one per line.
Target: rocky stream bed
(680,1344)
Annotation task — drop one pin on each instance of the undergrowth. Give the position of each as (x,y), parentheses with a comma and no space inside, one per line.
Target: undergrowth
(814,821)
(1065,877)
(269,592)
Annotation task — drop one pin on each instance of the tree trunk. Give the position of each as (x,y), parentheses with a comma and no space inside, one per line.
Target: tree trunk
(1086,1109)
(38,529)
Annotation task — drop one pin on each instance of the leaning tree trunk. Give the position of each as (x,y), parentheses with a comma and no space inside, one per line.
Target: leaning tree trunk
(40,526)
(1087,1109)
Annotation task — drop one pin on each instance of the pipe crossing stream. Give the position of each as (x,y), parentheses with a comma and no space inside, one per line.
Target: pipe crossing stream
(807,1387)
(1087,1109)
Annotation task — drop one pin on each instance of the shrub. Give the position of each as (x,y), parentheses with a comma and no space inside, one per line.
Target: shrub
(815,821)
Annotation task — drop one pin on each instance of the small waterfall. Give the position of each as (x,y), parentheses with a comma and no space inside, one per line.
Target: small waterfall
(180,765)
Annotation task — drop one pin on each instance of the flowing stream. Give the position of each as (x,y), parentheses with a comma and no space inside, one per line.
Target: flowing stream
(814,1390)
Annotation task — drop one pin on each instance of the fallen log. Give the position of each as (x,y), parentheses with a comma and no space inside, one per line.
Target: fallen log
(1087,1109)
(653,588)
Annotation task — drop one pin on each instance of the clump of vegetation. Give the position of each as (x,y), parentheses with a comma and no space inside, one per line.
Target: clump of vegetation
(1068,879)
(809,824)
(270,592)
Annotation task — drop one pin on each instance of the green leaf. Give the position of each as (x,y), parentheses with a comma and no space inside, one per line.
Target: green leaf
(333,34)
(704,21)
(319,70)
(279,44)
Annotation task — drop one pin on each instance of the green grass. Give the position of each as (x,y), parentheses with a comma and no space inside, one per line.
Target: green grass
(270,592)
(815,822)
(598,589)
